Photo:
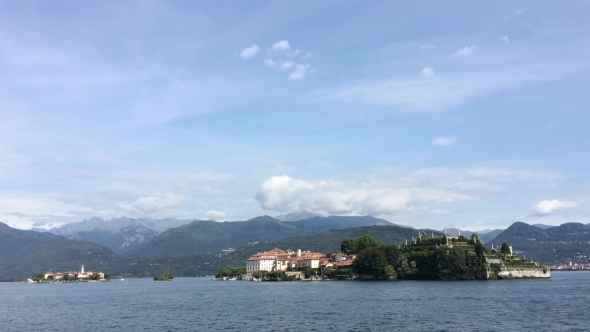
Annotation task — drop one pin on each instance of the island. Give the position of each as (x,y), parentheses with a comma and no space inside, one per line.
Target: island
(167,276)
(424,257)
(70,276)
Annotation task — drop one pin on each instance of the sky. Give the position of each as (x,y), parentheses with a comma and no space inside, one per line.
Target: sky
(423,113)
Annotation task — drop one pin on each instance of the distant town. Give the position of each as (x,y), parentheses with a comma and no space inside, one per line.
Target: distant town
(70,276)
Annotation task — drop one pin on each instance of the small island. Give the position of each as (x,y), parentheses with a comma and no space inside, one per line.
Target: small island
(71,276)
(167,276)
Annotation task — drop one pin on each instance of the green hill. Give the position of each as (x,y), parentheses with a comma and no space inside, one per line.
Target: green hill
(207,236)
(555,245)
(24,253)
(571,231)
(322,224)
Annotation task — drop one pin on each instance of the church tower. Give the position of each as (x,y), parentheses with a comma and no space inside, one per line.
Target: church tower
(82,271)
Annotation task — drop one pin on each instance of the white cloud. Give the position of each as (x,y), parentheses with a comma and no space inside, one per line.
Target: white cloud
(427,47)
(279,65)
(466,51)
(427,72)
(250,52)
(280,47)
(549,206)
(217,215)
(300,72)
(505,40)
(283,193)
(156,203)
(270,63)
(444,141)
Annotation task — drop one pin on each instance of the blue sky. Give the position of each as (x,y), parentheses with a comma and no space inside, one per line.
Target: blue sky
(423,113)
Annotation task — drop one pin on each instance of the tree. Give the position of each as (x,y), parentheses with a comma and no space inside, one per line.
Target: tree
(393,254)
(505,249)
(349,246)
(366,241)
(371,261)
(221,273)
(309,272)
(39,277)
(66,277)
(329,254)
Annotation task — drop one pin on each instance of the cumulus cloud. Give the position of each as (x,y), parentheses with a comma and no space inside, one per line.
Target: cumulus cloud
(280,47)
(283,193)
(282,58)
(250,52)
(549,206)
(444,141)
(505,40)
(155,203)
(217,215)
(466,51)
(427,72)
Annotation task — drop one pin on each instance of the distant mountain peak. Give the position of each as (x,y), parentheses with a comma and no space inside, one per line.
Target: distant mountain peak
(296,216)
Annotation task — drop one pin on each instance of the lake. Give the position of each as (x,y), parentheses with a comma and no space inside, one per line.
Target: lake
(199,304)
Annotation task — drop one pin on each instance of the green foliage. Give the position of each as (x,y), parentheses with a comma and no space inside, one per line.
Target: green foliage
(231,272)
(505,248)
(371,261)
(348,246)
(66,277)
(352,246)
(259,274)
(39,277)
(166,276)
(367,241)
(329,254)
(309,272)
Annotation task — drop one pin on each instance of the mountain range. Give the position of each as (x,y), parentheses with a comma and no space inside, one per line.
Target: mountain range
(569,242)
(195,247)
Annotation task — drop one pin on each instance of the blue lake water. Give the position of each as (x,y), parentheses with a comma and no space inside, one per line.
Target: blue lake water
(199,304)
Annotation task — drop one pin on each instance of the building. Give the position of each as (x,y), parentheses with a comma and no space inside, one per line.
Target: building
(283,260)
(81,275)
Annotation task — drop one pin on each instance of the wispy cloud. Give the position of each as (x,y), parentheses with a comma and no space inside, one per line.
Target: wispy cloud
(300,72)
(466,51)
(515,13)
(444,141)
(427,72)
(155,203)
(505,40)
